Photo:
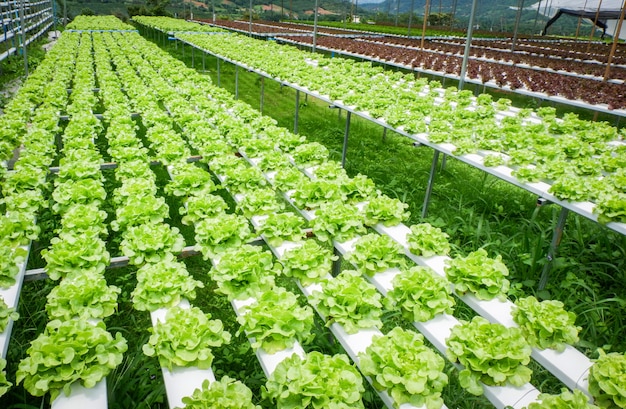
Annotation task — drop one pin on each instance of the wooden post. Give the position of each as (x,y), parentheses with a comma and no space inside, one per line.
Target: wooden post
(408,33)
(426,12)
(607,72)
(520,5)
(593,28)
(580,20)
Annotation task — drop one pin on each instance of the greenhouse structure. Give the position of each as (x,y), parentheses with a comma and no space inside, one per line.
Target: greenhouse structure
(257,214)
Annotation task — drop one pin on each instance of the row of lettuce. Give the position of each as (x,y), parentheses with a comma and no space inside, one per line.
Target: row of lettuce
(581,160)
(335,220)
(243,270)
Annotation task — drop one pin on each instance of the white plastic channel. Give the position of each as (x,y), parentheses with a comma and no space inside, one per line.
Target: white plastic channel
(569,366)
(11,298)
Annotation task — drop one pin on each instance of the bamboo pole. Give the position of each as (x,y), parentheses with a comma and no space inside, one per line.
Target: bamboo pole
(518,17)
(607,72)
(593,28)
(315,27)
(580,20)
(408,33)
(426,12)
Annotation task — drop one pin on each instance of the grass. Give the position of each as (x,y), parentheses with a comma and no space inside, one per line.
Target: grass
(477,210)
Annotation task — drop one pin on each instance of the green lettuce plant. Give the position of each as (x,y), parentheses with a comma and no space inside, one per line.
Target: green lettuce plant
(85,218)
(188,179)
(138,210)
(67,352)
(491,354)
(311,194)
(82,296)
(202,207)
(244,180)
(289,178)
(375,253)
(83,191)
(386,210)
(337,221)
(226,393)
(308,263)
(149,243)
(18,228)
(565,400)
(74,254)
(260,202)
(6,314)
(244,272)
(10,260)
(408,370)
(350,301)
(545,324)
(5,385)
(186,338)
(276,320)
(310,154)
(134,187)
(215,236)
(607,383)
(316,381)
(280,227)
(162,284)
(479,275)
(420,295)
(427,241)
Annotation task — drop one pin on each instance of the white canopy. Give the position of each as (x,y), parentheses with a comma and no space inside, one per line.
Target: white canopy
(608,14)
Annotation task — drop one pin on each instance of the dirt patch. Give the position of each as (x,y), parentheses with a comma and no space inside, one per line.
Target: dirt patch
(196,3)
(321,11)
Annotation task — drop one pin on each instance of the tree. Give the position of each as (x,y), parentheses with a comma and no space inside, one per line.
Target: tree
(151,8)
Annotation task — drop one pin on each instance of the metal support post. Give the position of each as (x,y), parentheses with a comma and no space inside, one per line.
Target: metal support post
(23,35)
(203,62)
(554,245)
(337,264)
(345,139)
(384,134)
(431,181)
(468,43)
(219,77)
(193,55)
(236,82)
(182,45)
(295,122)
(262,94)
